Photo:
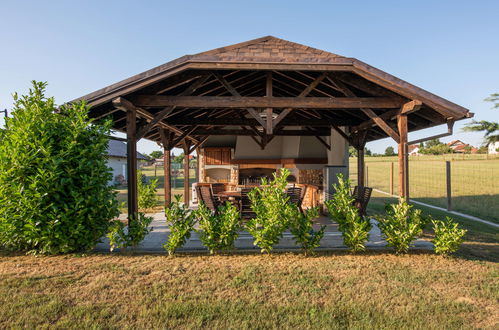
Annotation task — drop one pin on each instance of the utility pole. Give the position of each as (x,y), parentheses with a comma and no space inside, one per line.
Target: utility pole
(5,112)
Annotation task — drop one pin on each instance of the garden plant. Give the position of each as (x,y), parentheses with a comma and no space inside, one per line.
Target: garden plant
(448,236)
(181,221)
(122,236)
(54,192)
(353,226)
(401,225)
(147,198)
(218,231)
(301,226)
(272,211)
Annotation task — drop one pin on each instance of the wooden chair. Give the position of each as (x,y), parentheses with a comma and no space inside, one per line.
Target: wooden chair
(362,198)
(205,195)
(296,195)
(246,211)
(217,188)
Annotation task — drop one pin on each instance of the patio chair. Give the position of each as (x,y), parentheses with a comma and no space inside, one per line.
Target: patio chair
(245,208)
(296,195)
(217,188)
(205,195)
(362,198)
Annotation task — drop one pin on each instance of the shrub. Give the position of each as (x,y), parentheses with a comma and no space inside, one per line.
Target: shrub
(301,227)
(147,192)
(401,226)
(354,227)
(181,221)
(218,231)
(122,236)
(448,236)
(54,192)
(355,231)
(272,211)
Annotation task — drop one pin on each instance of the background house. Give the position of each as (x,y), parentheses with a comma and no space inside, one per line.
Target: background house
(460,147)
(413,150)
(494,148)
(116,152)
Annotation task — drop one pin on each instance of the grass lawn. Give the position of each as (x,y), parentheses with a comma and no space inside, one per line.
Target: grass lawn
(330,290)
(475,188)
(375,289)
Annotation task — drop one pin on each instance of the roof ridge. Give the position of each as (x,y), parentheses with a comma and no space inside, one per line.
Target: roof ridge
(268,38)
(236,46)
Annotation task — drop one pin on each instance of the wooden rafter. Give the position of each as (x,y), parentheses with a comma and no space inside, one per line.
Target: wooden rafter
(235,93)
(304,93)
(124,104)
(163,113)
(369,112)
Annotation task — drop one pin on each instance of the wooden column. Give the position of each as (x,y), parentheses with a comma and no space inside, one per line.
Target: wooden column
(131,137)
(360,170)
(167,172)
(187,145)
(402,157)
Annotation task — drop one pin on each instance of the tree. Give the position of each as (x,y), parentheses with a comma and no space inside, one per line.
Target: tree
(389,151)
(179,158)
(490,128)
(352,151)
(54,192)
(367,152)
(156,154)
(432,143)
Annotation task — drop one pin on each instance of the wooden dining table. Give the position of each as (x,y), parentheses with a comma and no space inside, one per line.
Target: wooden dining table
(234,194)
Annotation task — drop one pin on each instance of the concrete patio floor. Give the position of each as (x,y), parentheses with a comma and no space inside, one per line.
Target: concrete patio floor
(332,239)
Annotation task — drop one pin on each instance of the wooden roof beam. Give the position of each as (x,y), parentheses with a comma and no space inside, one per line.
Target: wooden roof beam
(124,104)
(371,114)
(267,102)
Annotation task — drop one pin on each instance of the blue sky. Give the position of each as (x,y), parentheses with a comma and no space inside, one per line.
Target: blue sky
(449,48)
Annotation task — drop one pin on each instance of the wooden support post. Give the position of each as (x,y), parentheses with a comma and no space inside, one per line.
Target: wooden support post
(167,173)
(187,146)
(402,157)
(449,186)
(391,178)
(360,170)
(131,137)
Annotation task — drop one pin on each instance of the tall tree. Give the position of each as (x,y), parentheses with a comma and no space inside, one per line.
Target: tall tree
(389,151)
(156,154)
(490,128)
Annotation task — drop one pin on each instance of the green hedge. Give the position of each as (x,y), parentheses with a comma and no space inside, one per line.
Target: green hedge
(54,193)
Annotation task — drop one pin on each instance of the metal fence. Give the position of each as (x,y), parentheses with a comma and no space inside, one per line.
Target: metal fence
(469,185)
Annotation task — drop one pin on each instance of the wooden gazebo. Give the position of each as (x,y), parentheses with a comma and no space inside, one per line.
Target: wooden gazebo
(264,88)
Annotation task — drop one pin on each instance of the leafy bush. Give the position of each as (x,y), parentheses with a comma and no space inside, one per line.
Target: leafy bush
(122,236)
(181,221)
(401,226)
(117,235)
(448,236)
(147,192)
(54,192)
(354,227)
(218,231)
(355,231)
(272,210)
(301,227)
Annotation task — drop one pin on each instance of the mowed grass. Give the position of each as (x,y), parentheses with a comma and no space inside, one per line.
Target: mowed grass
(329,290)
(475,183)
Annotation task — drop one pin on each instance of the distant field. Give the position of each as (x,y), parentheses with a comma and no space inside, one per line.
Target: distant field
(475,181)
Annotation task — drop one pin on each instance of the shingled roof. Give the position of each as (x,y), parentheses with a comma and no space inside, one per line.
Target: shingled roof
(268,49)
(243,68)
